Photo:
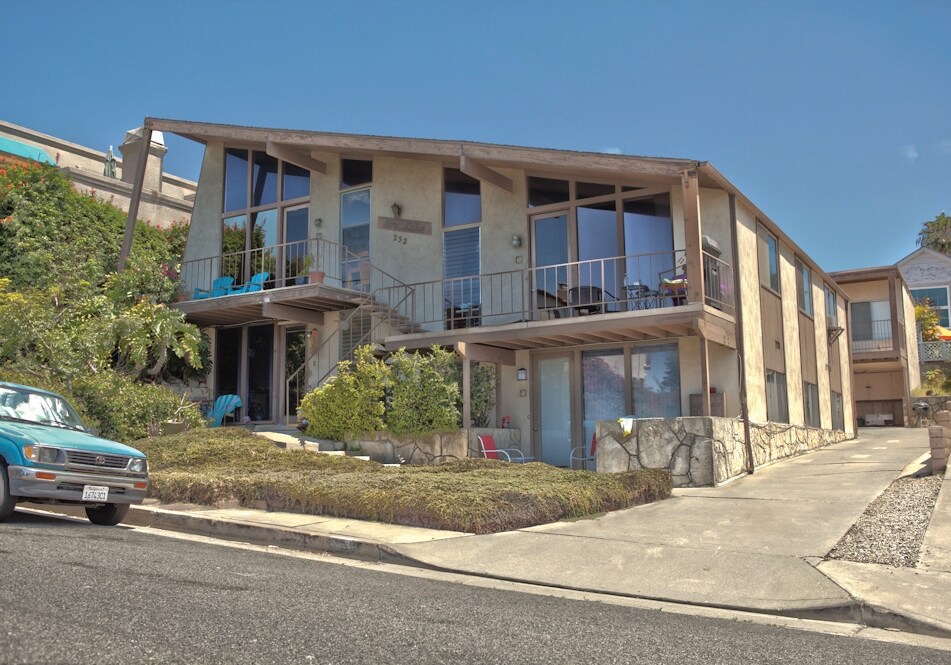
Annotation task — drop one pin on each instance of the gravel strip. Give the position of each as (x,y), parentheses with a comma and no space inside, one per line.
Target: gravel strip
(891,529)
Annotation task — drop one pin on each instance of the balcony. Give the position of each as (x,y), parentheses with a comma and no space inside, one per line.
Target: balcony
(272,282)
(872,335)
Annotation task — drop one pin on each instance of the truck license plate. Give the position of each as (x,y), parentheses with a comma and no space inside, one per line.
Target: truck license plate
(95,493)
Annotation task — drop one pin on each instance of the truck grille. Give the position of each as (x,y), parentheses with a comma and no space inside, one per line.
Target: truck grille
(98,460)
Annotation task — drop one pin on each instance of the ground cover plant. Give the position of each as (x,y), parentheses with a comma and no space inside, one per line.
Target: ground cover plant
(211,466)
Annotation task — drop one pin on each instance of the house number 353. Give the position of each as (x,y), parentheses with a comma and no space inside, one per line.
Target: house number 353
(400,240)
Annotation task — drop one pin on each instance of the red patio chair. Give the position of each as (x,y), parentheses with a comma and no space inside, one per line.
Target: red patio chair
(489,451)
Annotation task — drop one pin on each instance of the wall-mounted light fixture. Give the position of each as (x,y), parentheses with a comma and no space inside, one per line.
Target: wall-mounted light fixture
(318,222)
(396,209)
(521,374)
(516,241)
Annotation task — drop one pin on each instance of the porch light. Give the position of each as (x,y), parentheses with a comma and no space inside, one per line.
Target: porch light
(396,209)
(516,241)
(521,374)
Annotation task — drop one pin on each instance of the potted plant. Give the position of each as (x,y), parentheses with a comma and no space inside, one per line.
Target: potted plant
(309,265)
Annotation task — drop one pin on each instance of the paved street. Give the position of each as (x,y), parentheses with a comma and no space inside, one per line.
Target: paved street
(71,592)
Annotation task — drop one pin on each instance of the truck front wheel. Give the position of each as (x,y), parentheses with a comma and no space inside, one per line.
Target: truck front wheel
(107,515)
(7,502)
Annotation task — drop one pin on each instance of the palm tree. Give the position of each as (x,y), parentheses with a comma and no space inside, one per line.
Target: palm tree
(936,234)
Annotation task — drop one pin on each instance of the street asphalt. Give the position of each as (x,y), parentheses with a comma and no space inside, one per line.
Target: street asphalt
(71,592)
(756,544)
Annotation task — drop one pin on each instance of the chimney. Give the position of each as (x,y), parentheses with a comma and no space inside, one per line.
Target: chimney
(130,158)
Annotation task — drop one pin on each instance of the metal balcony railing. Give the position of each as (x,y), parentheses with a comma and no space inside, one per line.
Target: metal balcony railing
(872,335)
(578,288)
(286,264)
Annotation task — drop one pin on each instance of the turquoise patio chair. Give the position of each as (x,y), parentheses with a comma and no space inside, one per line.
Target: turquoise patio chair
(219,287)
(224,406)
(256,283)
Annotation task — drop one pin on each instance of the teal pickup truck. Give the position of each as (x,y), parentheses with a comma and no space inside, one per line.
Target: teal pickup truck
(48,456)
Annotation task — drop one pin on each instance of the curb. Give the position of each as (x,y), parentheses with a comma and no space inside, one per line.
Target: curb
(859,611)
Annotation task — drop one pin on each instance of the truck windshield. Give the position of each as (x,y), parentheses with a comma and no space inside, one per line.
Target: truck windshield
(45,409)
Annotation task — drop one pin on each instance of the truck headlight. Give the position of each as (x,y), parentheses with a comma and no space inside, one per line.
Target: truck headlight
(137,465)
(44,454)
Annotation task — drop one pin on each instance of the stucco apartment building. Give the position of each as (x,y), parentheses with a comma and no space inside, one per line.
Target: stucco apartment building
(166,199)
(599,285)
(884,344)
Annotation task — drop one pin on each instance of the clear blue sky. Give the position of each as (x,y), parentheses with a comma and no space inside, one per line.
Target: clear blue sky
(833,117)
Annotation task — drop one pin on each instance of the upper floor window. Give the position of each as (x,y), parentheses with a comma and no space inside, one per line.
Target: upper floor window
(462,198)
(936,298)
(804,287)
(768,255)
(254,179)
(355,172)
(832,308)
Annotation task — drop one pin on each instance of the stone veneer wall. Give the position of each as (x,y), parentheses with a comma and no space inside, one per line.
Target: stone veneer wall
(701,451)
(939,436)
(429,449)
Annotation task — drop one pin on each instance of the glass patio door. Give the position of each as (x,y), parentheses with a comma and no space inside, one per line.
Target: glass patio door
(553,409)
(551,254)
(295,245)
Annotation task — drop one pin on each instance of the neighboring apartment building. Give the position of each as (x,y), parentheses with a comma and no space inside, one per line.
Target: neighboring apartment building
(928,274)
(165,200)
(883,342)
(600,285)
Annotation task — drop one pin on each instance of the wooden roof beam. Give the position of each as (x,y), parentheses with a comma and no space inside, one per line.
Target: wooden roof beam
(280,312)
(483,173)
(295,157)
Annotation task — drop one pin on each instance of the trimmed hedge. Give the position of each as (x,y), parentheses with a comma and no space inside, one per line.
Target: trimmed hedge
(474,495)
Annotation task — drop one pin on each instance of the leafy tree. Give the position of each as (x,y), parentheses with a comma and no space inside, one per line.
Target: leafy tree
(936,234)
(64,307)
(424,392)
(351,402)
(926,318)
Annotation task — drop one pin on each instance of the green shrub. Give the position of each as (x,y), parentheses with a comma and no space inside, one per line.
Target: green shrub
(424,392)
(127,410)
(350,402)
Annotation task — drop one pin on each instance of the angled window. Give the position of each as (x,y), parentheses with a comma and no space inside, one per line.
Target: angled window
(804,287)
(810,393)
(355,172)
(462,198)
(832,308)
(777,405)
(768,256)
(838,412)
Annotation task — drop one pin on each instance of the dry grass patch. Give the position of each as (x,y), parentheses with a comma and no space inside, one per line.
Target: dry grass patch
(474,495)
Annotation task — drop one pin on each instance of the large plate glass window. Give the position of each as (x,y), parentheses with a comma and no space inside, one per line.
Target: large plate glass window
(871,325)
(462,289)
(260,188)
(355,214)
(936,298)
(811,404)
(655,381)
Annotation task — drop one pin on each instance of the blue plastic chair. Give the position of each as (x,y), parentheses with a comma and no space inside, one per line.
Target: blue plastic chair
(219,287)
(256,283)
(224,405)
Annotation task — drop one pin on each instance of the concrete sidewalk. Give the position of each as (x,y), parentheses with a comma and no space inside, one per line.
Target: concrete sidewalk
(755,544)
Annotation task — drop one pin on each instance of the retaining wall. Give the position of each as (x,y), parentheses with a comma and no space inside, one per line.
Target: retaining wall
(701,451)
(429,449)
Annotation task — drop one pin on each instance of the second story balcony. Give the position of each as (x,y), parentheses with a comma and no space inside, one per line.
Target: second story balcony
(299,281)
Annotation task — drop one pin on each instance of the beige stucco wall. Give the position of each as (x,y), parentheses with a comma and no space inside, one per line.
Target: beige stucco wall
(822,350)
(867,291)
(911,339)
(715,220)
(747,267)
(791,348)
(204,234)
(879,385)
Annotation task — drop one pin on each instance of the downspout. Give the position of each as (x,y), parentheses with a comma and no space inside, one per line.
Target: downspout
(740,348)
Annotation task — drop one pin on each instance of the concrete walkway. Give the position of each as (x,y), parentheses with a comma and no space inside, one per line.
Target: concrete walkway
(755,544)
